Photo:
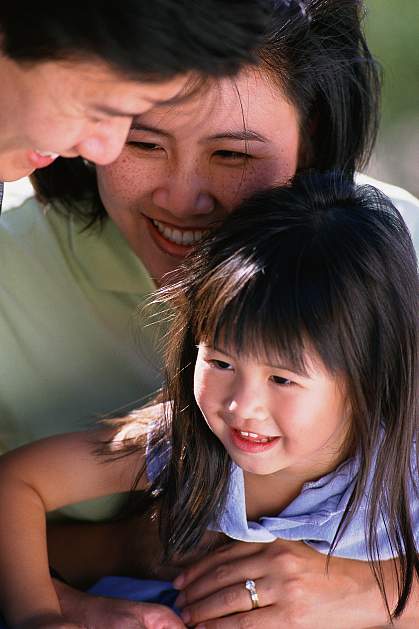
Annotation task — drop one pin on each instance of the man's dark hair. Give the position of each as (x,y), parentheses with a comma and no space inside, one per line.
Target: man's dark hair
(148,40)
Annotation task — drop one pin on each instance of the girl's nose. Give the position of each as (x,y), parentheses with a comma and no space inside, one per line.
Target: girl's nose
(248,403)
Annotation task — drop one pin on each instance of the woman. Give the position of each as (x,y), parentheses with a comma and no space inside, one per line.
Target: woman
(72,79)
(311,102)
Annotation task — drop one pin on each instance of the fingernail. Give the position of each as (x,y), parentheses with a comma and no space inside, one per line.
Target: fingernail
(178,582)
(186,616)
(181,600)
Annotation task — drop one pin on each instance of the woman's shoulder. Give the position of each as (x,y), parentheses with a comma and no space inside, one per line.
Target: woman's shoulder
(405,202)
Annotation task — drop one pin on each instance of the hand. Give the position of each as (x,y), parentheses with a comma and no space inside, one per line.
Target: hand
(96,612)
(293,587)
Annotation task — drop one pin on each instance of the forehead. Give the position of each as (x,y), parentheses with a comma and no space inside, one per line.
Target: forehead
(249,100)
(94,84)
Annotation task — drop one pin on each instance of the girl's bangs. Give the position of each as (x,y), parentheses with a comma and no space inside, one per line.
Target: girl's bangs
(238,308)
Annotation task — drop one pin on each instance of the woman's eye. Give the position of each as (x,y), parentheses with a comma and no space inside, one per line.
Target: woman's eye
(145,146)
(233,155)
(282,381)
(219,364)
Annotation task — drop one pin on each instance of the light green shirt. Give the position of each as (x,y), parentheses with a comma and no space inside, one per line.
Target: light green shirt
(73,342)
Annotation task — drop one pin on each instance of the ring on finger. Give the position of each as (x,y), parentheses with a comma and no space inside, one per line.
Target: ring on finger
(251,588)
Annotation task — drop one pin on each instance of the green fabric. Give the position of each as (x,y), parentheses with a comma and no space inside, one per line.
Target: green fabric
(73,343)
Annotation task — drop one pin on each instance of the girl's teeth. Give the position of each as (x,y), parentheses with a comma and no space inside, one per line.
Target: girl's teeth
(187,237)
(254,437)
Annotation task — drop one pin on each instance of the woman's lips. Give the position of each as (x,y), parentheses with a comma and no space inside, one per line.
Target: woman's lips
(40,159)
(174,240)
(252,442)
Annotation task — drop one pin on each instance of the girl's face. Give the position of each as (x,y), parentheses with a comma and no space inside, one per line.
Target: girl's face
(186,166)
(270,418)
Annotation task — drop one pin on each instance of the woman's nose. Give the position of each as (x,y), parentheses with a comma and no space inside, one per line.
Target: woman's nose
(184,194)
(105,141)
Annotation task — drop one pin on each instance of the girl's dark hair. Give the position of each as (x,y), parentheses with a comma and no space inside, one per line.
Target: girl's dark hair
(316,52)
(324,263)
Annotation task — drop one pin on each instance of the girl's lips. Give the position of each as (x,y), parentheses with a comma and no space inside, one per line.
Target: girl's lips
(251,445)
(41,161)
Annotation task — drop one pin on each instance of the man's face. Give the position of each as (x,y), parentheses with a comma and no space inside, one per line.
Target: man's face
(73,108)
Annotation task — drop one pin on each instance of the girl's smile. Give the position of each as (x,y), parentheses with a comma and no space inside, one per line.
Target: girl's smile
(252,442)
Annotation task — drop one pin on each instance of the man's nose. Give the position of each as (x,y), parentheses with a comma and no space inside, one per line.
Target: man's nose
(104,144)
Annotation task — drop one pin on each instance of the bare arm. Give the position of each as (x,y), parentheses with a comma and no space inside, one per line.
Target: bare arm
(36,479)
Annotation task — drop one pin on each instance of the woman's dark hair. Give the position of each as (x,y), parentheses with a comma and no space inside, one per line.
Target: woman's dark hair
(316,52)
(323,263)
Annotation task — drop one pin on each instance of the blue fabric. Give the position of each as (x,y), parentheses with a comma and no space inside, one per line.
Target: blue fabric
(312,517)
(146,591)
(137,590)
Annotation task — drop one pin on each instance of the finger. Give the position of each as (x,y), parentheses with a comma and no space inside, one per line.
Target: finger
(227,553)
(221,576)
(229,600)
(265,618)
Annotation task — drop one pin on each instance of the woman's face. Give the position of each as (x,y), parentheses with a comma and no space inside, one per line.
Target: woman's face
(186,166)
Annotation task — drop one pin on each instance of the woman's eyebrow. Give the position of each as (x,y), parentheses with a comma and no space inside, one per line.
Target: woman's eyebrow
(139,126)
(243,134)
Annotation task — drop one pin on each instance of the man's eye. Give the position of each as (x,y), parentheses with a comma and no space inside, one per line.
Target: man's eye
(282,381)
(233,155)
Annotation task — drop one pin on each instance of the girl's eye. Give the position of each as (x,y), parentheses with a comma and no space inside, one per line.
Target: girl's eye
(282,381)
(233,155)
(145,146)
(219,364)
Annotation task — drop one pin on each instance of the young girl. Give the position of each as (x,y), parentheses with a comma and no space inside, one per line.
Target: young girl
(291,401)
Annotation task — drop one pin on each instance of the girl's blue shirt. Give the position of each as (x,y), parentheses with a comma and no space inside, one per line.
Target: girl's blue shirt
(313,516)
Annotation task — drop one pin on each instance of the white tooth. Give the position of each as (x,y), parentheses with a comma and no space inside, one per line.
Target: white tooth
(47,154)
(188,238)
(177,236)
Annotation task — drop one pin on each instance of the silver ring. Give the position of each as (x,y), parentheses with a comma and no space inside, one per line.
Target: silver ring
(251,588)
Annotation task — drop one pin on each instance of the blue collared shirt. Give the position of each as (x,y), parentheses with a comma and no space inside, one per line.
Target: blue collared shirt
(313,516)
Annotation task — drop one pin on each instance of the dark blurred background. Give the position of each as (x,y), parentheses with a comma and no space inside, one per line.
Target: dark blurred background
(392,28)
